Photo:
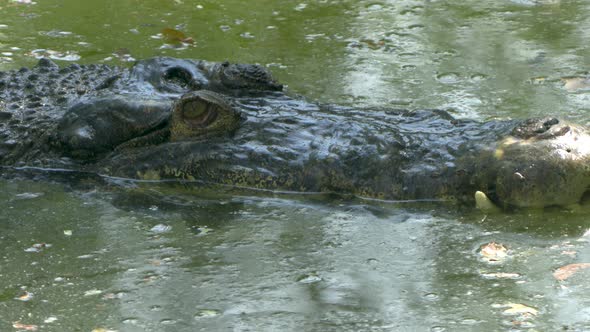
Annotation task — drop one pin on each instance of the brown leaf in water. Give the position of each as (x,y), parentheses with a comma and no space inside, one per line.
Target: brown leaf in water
(25,327)
(575,83)
(493,252)
(174,36)
(519,309)
(25,297)
(567,271)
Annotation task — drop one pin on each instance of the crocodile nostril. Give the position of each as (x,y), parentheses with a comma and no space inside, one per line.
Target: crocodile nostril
(550,122)
(178,76)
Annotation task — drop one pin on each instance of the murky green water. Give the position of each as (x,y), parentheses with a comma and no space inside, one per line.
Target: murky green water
(159,260)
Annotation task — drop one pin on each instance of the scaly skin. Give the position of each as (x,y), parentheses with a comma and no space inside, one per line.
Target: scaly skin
(230,124)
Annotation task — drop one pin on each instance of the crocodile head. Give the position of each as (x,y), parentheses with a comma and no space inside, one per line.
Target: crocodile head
(230,124)
(544,162)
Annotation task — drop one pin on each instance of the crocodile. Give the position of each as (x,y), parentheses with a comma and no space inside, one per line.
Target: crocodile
(167,119)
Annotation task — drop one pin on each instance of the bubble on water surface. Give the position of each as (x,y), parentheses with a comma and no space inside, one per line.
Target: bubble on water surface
(448,78)
(477,77)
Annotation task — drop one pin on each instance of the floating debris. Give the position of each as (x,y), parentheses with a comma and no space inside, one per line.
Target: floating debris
(50,320)
(92,292)
(203,230)
(28,195)
(309,278)
(124,54)
(87,256)
(300,7)
(56,33)
(575,83)
(501,275)
(55,55)
(25,327)
(493,252)
(68,232)
(517,309)
(24,2)
(161,228)
(247,35)
(207,313)
(38,247)
(567,271)
(25,297)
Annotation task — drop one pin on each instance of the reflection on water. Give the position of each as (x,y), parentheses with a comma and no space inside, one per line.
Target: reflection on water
(123,260)
(480,59)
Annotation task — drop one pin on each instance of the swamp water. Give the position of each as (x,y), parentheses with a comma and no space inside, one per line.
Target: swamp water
(155,259)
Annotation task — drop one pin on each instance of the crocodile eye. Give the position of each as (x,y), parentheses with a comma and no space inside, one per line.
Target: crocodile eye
(201,114)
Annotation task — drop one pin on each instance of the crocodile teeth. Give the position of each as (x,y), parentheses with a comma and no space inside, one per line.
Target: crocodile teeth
(483,203)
